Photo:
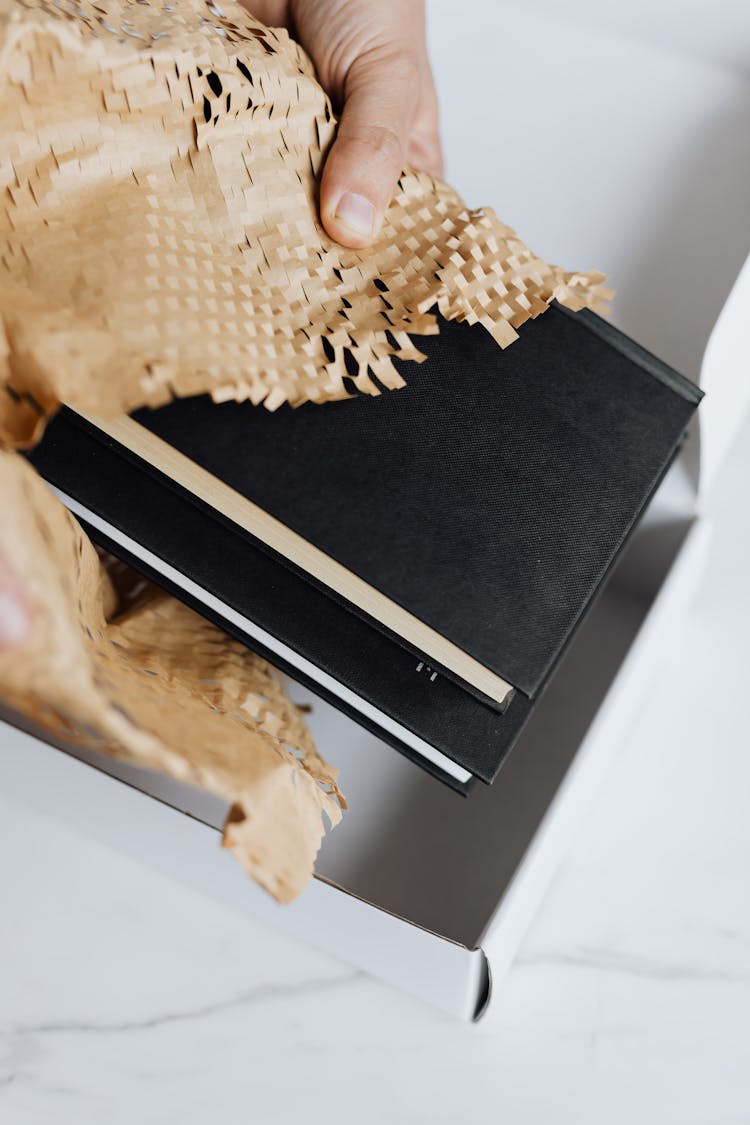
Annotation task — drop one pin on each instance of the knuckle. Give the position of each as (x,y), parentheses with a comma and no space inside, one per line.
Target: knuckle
(403,68)
(381,140)
(396,66)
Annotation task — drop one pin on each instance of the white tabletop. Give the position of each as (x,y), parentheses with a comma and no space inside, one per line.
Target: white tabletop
(126,998)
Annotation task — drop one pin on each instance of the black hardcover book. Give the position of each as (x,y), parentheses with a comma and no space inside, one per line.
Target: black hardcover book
(420,558)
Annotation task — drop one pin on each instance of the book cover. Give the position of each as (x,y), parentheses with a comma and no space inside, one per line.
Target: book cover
(421,558)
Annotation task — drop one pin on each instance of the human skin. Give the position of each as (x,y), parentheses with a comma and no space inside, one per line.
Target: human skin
(371,58)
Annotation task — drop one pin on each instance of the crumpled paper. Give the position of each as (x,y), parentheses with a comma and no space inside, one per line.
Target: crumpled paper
(161,687)
(159,220)
(160,237)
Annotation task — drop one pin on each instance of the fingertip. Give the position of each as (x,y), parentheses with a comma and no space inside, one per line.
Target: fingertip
(351,219)
(360,175)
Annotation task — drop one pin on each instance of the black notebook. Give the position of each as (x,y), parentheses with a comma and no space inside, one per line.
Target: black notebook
(420,558)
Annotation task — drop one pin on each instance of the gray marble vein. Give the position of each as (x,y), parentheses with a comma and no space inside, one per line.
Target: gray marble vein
(258,995)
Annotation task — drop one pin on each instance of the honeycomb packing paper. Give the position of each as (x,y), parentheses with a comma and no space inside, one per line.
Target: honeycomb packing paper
(160,237)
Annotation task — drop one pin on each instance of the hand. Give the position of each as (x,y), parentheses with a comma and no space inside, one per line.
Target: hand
(15,621)
(371,58)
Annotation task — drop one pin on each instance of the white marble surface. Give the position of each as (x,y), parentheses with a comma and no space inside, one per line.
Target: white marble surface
(126,998)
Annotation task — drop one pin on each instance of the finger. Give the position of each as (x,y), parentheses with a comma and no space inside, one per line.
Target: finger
(424,149)
(15,621)
(424,153)
(360,174)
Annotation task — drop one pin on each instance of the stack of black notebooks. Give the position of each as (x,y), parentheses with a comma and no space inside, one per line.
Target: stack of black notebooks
(421,559)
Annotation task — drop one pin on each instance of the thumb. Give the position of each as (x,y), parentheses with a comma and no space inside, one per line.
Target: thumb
(369,152)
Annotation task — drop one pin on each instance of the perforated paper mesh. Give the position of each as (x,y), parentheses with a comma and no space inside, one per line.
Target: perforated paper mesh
(159,237)
(160,229)
(161,687)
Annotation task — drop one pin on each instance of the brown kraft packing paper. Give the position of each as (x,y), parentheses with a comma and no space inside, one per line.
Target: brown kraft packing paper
(160,238)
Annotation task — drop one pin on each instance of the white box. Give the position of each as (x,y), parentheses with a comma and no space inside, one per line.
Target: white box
(419,886)
(424,889)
